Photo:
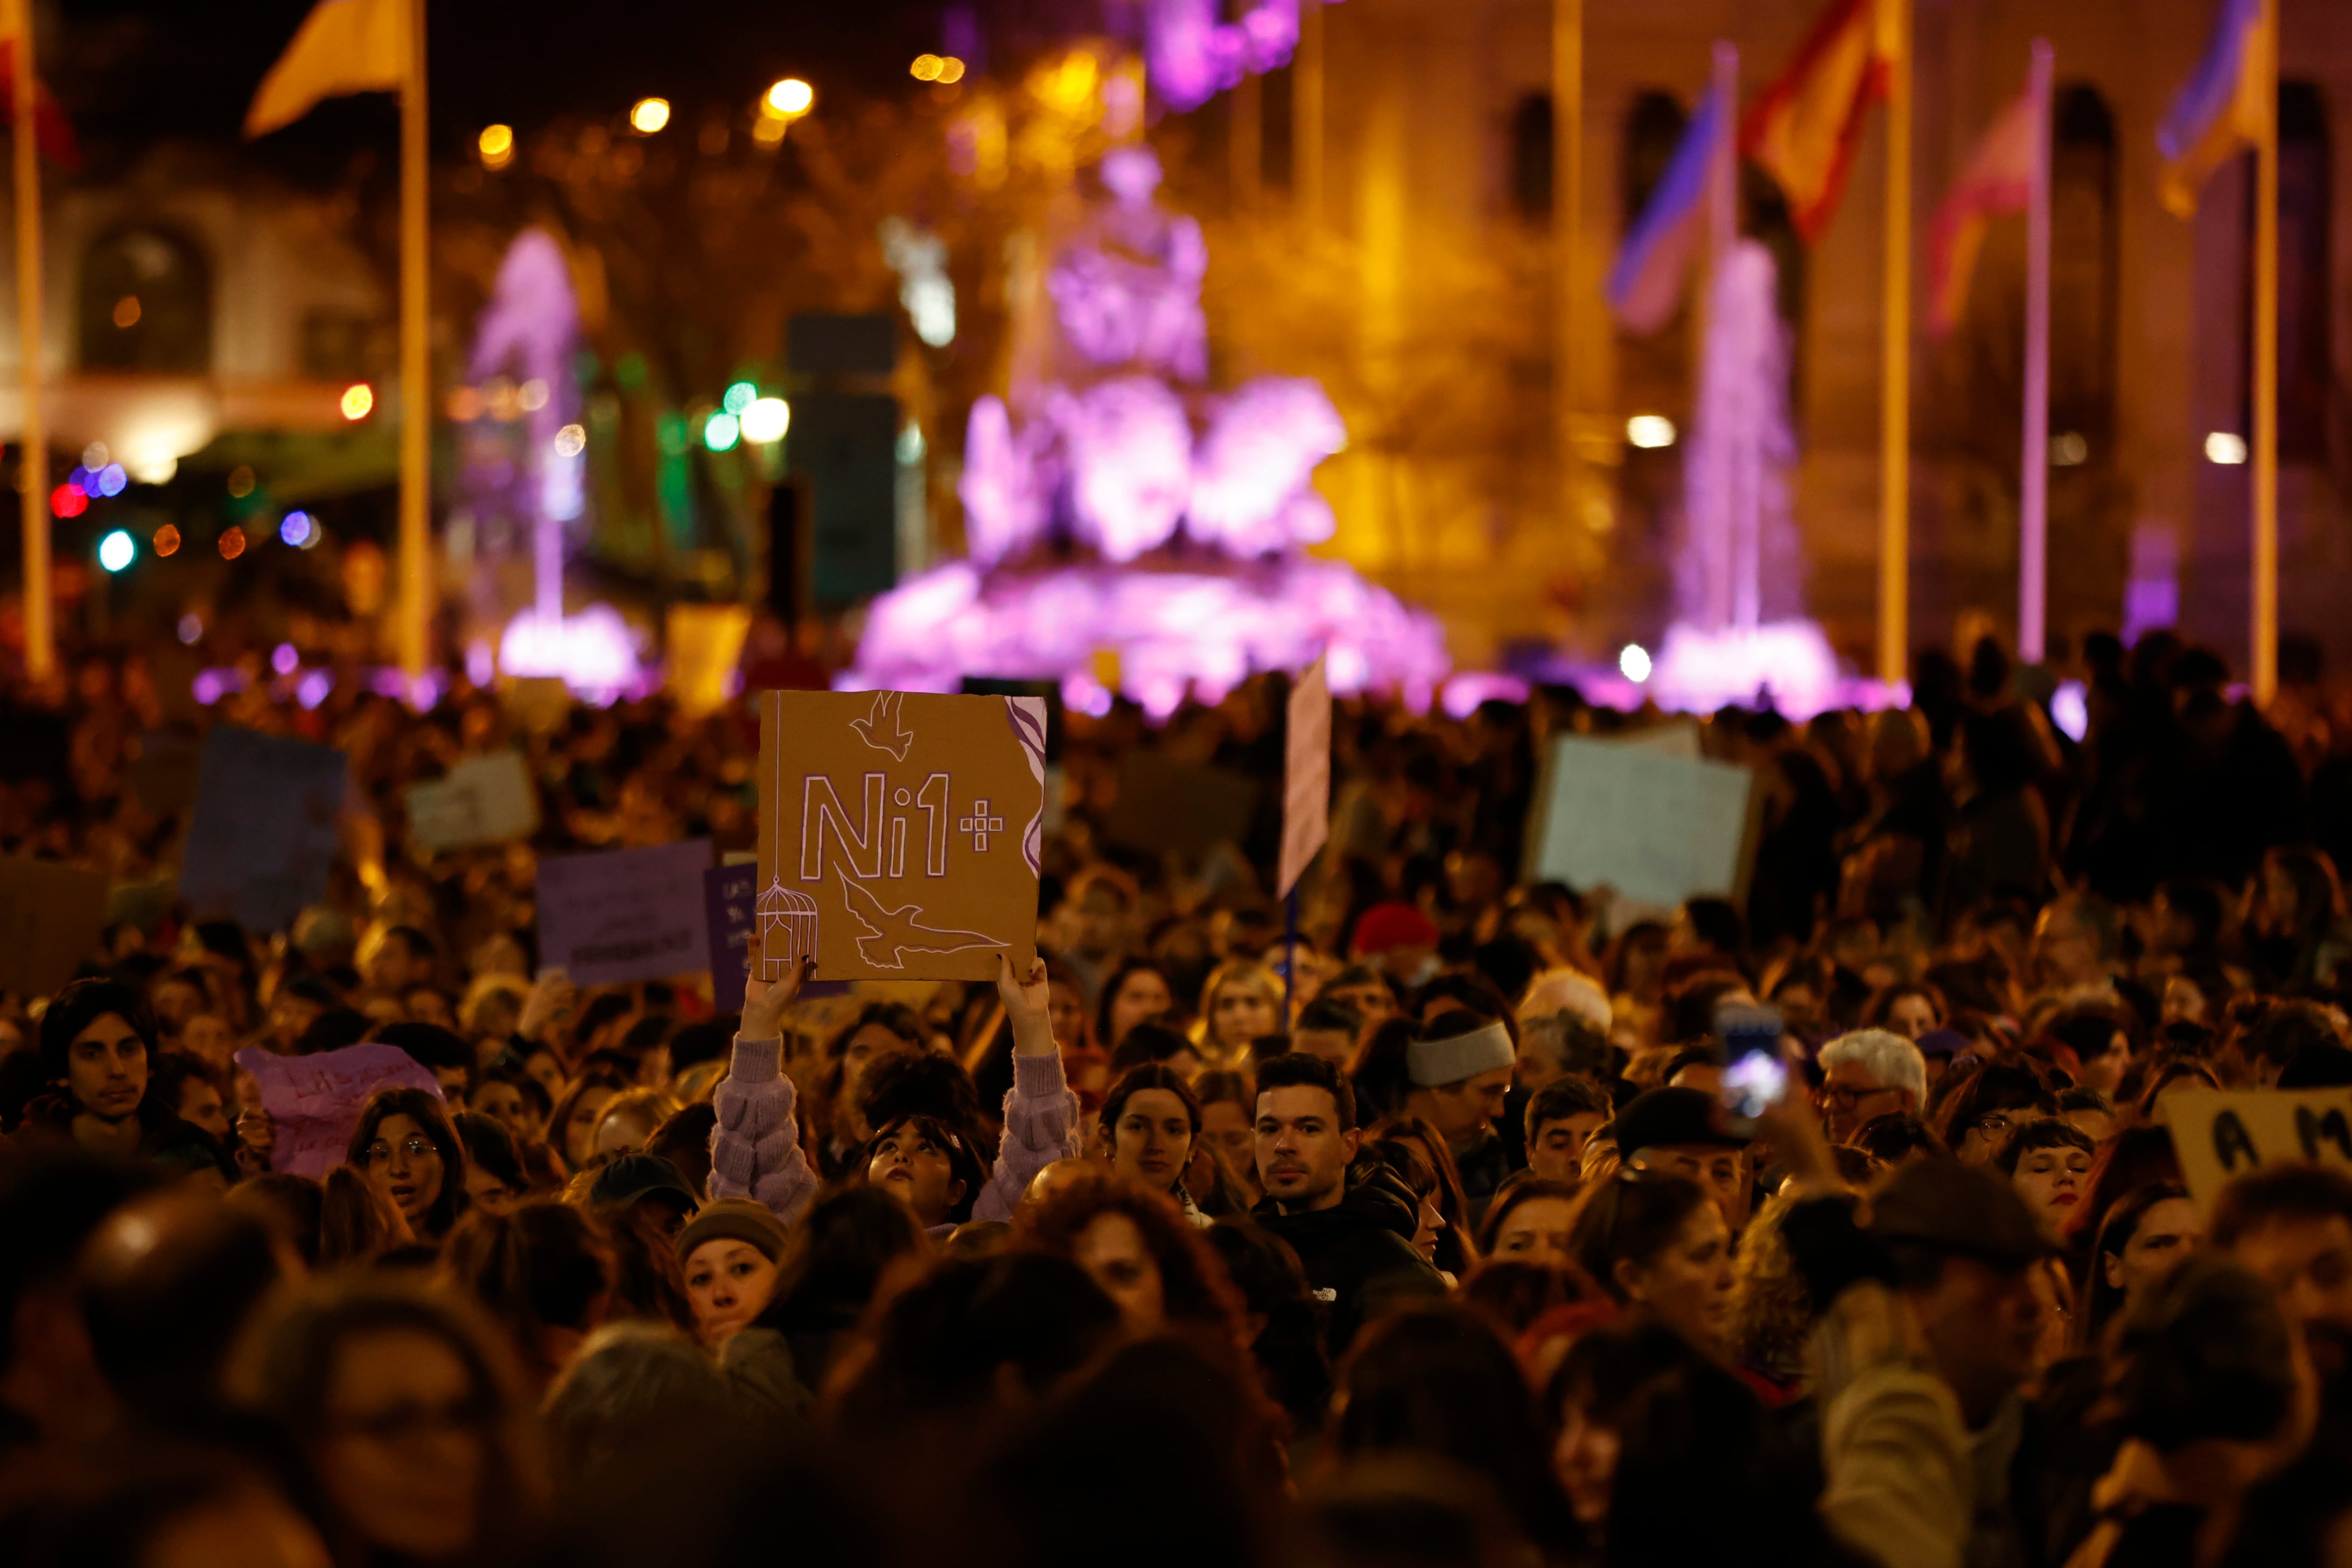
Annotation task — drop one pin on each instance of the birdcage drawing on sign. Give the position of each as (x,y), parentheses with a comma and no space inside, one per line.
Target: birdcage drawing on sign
(790,916)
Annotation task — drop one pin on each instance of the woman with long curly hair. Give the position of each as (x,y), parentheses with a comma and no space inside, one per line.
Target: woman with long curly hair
(1139,1246)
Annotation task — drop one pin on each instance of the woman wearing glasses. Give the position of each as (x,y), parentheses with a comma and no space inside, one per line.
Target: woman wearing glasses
(408,1149)
(411,1412)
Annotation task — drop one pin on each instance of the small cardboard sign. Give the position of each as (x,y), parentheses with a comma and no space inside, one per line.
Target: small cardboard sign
(1189,808)
(1305,779)
(2221,1134)
(900,832)
(537,704)
(485,800)
(51,917)
(314,1103)
(704,645)
(727,894)
(625,914)
(267,824)
(1658,827)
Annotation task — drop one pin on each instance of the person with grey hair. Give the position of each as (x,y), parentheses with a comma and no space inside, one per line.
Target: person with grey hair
(1869,1073)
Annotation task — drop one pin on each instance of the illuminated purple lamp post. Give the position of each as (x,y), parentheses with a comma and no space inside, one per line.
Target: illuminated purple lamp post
(1114,506)
(529,331)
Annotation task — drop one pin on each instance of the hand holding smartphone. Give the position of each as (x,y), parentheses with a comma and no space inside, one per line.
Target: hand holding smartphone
(1747,1044)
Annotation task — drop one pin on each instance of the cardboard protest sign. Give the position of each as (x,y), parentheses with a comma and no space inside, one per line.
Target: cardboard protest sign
(899,832)
(1188,807)
(485,800)
(728,895)
(1305,779)
(266,826)
(625,914)
(538,703)
(314,1103)
(705,644)
(51,917)
(1658,827)
(2223,1133)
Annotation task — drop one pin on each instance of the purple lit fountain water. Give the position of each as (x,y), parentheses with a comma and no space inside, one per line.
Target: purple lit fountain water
(1739,573)
(1123,519)
(525,466)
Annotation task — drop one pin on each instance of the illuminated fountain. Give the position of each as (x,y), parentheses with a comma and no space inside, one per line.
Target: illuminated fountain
(1739,575)
(525,468)
(1124,521)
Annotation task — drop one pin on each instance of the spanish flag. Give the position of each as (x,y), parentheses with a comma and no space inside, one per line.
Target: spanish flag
(1805,129)
(342,47)
(2230,104)
(1999,179)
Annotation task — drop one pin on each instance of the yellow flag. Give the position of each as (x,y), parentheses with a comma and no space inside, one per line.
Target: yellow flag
(342,47)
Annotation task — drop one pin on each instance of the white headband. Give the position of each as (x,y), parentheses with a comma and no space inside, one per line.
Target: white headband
(1434,1062)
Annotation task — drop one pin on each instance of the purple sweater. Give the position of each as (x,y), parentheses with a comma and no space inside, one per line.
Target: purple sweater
(755,1147)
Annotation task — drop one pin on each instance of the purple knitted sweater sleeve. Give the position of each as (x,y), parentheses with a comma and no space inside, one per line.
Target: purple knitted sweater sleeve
(755,1147)
(1040,1120)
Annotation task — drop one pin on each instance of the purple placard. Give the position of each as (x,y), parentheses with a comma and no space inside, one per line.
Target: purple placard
(625,914)
(313,1102)
(726,895)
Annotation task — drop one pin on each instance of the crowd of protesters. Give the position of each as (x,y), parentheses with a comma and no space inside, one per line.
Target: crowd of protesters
(1420,1236)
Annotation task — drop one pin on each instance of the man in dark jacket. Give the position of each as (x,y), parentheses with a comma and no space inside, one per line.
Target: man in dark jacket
(1354,1237)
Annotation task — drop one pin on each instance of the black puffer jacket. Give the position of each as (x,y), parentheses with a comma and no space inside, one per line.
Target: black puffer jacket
(1359,1255)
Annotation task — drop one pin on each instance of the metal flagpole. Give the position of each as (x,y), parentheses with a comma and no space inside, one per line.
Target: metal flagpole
(1895,373)
(2265,431)
(1567,218)
(414,599)
(2034,501)
(33,475)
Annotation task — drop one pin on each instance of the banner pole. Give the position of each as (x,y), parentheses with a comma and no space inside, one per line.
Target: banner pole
(33,472)
(415,598)
(2265,368)
(1895,391)
(2034,503)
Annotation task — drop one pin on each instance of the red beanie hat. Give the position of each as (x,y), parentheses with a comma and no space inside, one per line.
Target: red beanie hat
(1386,927)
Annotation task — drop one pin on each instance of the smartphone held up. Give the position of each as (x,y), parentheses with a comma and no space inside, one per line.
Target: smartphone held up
(1755,1075)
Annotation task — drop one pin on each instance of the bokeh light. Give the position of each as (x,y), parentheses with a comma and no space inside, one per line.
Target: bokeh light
(926,68)
(791,96)
(739,397)
(571,441)
(231,543)
(719,431)
(951,71)
(296,528)
(1634,663)
(497,144)
(1650,431)
(359,397)
(767,420)
(285,659)
(116,551)
(68,500)
(191,628)
(112,479)
(167,539)
(648,115)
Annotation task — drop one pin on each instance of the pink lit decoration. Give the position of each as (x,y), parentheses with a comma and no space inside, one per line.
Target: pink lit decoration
(1700,671)
(595,652)
(1192,55)
(1463,693)
(1174,630)
(1109,508)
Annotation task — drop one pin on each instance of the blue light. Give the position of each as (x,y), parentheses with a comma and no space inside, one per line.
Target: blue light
(296,529)
(82,479)
(115,550)
(112,479)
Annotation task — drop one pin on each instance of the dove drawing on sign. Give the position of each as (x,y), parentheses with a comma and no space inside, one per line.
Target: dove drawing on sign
(881,728)
(891,934)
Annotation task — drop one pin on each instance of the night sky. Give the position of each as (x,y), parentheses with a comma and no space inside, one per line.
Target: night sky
(130,72)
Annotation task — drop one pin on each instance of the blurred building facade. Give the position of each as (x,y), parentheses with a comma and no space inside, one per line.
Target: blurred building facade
(1437,213)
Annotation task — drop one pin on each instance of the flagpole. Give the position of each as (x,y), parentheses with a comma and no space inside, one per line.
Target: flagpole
(2034,508)
(416,595)
(1567,216)
(1895,391)
(40,621)
(2265,431)
(1307,115)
